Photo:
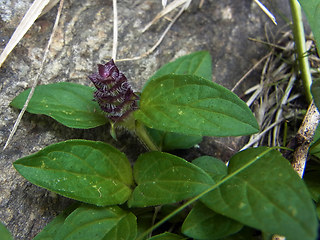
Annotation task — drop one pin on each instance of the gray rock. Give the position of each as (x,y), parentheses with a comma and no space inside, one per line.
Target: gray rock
(84,39)
(11,11)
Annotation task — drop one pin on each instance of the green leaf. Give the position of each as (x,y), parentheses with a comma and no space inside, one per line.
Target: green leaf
(315,145)
(312,172)
(50,231)
(263,191)
(194,106)
(68,103)
(4,233)
(169,141)
(312,179)
(318,210)
(163,178)
(167,236)
(315,149)
(88,171)
(145,220)
(126,229)
(312,11)
(213,166)
(89,222)
(197,63)
(203,223)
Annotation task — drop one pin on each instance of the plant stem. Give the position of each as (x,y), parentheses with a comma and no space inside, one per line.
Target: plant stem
(144,137)
(305,136)
(300,43)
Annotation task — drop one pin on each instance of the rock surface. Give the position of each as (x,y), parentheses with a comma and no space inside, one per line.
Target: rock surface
(84,39)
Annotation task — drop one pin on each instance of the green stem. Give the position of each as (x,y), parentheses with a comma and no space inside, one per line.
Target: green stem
(139,129)
(300,42)
(141,132)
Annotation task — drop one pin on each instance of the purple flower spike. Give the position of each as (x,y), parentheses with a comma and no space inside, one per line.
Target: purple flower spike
(114,94)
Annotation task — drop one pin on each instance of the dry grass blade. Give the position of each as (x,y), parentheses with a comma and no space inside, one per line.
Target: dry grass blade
(284,100)
(164,3)
(27,21)
(115,30)
(166,10)
(272,98)
(267,43)
(49,6)
(250,70)
(158,42)
(257,137)
(14,129)
(201,3)
(266,11)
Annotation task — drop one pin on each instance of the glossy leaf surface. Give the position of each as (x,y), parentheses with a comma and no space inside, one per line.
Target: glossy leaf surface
(312,11)
(164,178)
(68,103)
(4,233)
(89,222)
(88,171)
(170,141)
(197,63)
(263,191)
(194,106)
(126,229)
(213,166)
(203,223)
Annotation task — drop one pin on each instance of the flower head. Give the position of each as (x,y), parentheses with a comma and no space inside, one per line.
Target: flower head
(114,94)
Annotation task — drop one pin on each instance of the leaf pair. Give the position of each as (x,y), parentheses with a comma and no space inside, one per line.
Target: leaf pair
(259,188)
(97,173)
(179,104)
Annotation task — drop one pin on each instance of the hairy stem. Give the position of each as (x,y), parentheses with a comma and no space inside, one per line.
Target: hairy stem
(300,42)
(141,132)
